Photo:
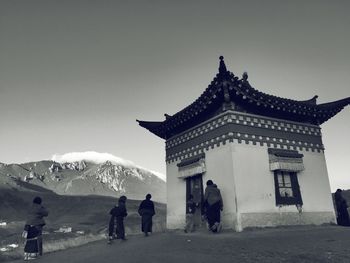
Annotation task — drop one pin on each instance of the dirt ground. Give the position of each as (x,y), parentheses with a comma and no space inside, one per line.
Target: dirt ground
(292,244)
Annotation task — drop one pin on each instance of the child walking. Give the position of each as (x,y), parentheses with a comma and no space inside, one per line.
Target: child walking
(191,209)
(116,223)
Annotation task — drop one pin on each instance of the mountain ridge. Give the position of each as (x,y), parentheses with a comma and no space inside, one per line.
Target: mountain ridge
(87,178)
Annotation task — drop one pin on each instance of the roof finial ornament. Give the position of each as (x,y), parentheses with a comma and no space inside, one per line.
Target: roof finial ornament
(222,66)
(245,76)
(167,116)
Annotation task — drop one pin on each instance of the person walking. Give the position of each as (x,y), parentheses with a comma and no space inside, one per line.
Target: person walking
(33,230)
(190,210)
(116,223)
(214,204)
(146,211)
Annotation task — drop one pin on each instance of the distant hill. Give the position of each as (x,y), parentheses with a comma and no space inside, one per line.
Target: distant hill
(87,214)
(76,210)
(84,178)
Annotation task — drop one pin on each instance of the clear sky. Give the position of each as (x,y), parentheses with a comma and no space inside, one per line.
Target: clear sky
(75,75)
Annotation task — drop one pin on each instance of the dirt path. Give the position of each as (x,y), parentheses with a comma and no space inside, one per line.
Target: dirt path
(294,244)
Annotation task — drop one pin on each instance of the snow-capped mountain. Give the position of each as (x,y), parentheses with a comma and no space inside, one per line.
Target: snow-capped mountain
(87,176)
(98,158)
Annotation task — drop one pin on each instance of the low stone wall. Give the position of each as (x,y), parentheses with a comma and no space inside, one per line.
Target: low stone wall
(286,219)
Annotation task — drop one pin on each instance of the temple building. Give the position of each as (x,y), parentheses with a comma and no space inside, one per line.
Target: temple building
(264,152)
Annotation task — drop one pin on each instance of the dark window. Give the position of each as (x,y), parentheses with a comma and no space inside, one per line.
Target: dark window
(287,188)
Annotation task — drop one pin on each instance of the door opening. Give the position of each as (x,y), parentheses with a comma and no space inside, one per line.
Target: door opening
(194,186)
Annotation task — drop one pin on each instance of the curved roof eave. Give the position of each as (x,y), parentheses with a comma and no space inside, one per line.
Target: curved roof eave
(305,110)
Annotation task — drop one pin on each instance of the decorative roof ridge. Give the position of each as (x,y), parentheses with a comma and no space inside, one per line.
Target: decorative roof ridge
(150,123)
(152,126)
(222,66)
(209,92)
(312,101)
(340,103)
(225,87)
(241,85)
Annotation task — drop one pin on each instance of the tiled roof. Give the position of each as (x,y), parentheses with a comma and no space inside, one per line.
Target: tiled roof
(228,88)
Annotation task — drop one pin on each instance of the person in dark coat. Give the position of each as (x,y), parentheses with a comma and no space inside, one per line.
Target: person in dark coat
(116,223)
(214,204)
(33,230)
(146,211)
(342,209)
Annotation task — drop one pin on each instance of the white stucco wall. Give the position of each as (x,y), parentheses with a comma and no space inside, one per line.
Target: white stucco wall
(314,184)
(176,198)
(220,170)
(256,189)
(254,180)
(242,173)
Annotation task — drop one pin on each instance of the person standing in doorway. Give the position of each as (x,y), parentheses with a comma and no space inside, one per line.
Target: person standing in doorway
(190,210)
(116,223)
(146,211)
(214,204)
(33,230)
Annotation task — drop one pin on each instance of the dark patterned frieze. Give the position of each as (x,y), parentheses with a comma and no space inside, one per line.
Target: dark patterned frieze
(244,128)
(244,120)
